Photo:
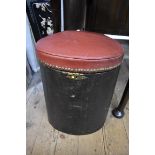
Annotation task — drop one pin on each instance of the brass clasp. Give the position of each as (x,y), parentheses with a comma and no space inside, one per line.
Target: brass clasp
(75,76)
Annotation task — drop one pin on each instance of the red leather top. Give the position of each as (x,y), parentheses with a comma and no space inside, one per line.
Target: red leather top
(79,50)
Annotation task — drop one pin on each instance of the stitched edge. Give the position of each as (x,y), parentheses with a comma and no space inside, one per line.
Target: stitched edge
(78,69)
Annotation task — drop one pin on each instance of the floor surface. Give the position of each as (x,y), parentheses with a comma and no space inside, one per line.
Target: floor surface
(43,139)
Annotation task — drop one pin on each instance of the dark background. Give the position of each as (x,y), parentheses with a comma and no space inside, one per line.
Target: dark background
(103,16)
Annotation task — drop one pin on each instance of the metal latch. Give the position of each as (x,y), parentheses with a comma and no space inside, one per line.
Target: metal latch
(75,76)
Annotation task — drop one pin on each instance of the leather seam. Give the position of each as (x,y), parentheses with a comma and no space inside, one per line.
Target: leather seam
(79,69)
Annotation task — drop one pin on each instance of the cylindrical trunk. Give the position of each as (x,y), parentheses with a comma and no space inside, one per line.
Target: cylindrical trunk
(79,72)
(78,103)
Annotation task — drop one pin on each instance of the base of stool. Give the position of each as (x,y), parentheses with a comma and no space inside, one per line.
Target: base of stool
(118,114)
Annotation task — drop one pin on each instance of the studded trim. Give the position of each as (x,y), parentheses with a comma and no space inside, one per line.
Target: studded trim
(78,69)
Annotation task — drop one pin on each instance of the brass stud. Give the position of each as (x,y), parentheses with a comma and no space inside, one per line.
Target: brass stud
(78,69)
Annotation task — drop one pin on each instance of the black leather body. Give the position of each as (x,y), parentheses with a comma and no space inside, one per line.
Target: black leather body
(78,106)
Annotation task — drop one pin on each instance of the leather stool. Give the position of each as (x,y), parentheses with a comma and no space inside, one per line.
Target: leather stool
(79,72)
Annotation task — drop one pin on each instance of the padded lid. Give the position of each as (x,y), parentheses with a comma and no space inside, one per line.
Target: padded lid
(79,51)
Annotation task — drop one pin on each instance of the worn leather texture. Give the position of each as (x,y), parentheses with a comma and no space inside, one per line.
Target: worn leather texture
(78,105)
(79,49)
